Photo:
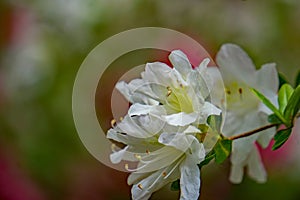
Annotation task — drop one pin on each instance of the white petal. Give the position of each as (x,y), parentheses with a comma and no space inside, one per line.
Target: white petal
(139,109)
(124,89)
(116,157)
(129,126)
(236,173)
(180,119)
(159,73)
(180,141)
(143,189)
(180,62)
(191,129)
(158,159)
(256,168)
(267,79)
(266,136)
(199,84)
(206,110)
(235,64)
(189,180)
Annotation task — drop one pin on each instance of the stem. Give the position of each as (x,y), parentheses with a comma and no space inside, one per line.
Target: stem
(252,132)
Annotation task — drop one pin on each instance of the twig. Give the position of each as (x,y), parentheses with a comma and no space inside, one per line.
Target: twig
(252,132)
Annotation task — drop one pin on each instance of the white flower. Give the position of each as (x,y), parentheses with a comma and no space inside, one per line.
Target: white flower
(160,130)
(245,112)
(180,90)
(170,154)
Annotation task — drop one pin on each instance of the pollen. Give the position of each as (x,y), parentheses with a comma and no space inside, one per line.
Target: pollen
(228,91)
(140,186)
(169,91)
(240,90)
(113,122)
(164,174)
(113,147)
(138,156)
(121,118)
(126,166)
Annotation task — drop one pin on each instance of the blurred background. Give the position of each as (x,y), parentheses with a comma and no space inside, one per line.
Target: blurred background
(42,45)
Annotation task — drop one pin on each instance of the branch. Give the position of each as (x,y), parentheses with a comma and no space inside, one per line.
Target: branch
(252,132)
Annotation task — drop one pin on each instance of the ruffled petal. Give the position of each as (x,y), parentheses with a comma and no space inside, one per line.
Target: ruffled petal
(180,119)
(235,64)
(256,169)
(267,79)
(180,62)
(189,180)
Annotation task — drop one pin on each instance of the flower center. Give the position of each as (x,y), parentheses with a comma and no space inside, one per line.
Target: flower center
(239,98)
(178,100)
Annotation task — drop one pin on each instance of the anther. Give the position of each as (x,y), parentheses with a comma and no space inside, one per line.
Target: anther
(113,147)
(126,166)
(140,186)
(113,122)
(169,91)
(164,174)
(138,156)
(240,90)
(147,151)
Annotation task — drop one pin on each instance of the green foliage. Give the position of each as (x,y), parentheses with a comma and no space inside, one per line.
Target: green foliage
(282,80)
(289,105)
(297,82)
(175,186)
(222,150)
(293,105)
(284,95)
(215,122)
(268,103)
(211,155)
(281,137)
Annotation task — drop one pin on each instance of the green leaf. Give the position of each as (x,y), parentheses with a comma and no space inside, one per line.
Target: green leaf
(273,119)
(284,95)
(175,186)
(293,105)
(222,150)
(297,82)
(268,103)
(282,80)
(208,158)
(215,121)
(281,137)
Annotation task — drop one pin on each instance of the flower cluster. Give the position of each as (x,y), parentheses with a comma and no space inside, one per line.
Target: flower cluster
(180,118)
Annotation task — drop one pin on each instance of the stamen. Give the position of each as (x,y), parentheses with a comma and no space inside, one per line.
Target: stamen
(126,167)
(138,156)
(113,122)
(240,90)
(140,186)
(121,118)
(113,147)
(169,91)
(164,174)
(147,151)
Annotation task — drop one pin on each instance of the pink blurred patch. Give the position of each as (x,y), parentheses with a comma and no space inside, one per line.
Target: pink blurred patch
(195,56)
(285,154)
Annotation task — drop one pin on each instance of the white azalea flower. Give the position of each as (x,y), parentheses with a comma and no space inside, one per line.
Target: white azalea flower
(167,155)
(245,112)
(181,90)
(160,130)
